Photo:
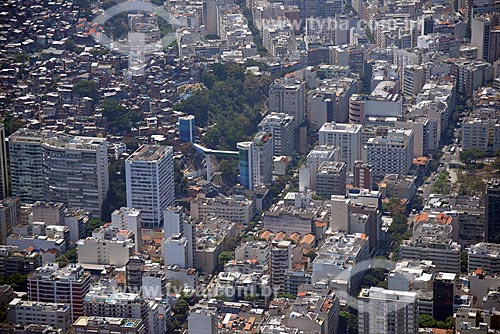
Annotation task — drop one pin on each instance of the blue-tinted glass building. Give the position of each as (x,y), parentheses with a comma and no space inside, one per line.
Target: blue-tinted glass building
(187,129)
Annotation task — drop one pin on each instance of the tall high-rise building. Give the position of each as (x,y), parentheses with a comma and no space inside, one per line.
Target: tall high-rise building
(57,167)
(4,172)
(187,129)
(256,159)
(67,285)
(345,136)
(150,182)
(387,311)
(288,96)
(281,261)
(413,80)
(246,164)
(10,215)
(486,36)
(129,219)
(444,292)
(281,126)
(493,212)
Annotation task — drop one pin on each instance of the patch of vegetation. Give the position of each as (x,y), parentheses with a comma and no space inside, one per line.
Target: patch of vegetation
(11,124)
(232,105)
(427,321)
(119,118)
(469,157)
(86,88)
(117,196)
(470,183)
(442,185)
(70,256)
(17,281)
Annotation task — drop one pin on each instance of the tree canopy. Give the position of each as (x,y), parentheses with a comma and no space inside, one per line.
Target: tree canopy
(119,118)
(470,155)
(232,104)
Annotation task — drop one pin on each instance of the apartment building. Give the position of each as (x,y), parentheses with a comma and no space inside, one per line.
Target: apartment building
(56,315)
(57,167)
(150,182)
(391,153)
(345,136)
(387,311)
(67,285)
(281,126)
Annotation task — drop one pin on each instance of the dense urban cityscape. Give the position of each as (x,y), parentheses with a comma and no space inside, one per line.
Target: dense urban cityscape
(253,167)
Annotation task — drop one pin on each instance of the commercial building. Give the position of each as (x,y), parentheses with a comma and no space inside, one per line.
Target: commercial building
(150,182)
(281,126)
(347,137)
(444,294)
(104,325)
(129,219)
(57,315)
(493,212)
(4,170)
(256,161)
(56,167)
(68,285)
(187,129)
(387,311)
(391,153)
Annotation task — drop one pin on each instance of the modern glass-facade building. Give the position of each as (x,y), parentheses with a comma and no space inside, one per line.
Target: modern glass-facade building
(187,129)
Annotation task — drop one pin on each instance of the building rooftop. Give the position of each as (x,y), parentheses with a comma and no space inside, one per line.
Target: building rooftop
(151,153)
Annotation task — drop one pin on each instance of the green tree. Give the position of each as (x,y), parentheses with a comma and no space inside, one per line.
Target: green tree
(229,172)
(464,262)
(92,224)
(119,118)
(225,257)
(86,88)
(426,321)
(470,155)
(21,58)
(11,124)
(116,197)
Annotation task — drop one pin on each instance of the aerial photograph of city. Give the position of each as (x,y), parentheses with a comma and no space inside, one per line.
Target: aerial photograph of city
(249,166)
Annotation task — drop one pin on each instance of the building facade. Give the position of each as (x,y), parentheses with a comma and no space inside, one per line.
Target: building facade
(56,167)
(150,182)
